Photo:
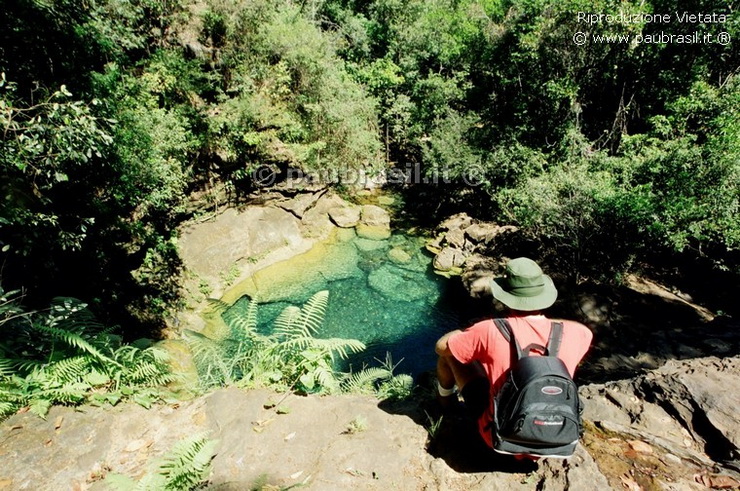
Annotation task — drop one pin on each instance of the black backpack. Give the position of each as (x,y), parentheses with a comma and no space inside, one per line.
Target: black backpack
(537,410)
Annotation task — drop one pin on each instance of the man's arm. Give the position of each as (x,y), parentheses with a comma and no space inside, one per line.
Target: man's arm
(442,347)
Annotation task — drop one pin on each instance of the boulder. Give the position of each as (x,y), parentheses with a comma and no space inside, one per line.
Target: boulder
(375,223)
(300,203)
(398,255)
(209,249)
(456,222)
(485,232)
(345,216)
(449,258)
(455,238)
(386,200)
(316,222)
(374,215)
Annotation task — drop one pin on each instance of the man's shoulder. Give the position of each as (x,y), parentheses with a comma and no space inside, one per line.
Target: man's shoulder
(575,328)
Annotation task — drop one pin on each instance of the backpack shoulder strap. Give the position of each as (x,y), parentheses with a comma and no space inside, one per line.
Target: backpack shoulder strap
(556,336)
(505,328)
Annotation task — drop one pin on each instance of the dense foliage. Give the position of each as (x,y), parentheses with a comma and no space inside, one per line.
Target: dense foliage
(291,358)
(121,118)
(62,355)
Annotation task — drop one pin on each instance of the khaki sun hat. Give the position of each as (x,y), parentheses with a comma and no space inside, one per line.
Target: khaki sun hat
(524,287)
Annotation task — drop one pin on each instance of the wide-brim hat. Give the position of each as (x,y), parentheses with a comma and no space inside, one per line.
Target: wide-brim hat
(524,287)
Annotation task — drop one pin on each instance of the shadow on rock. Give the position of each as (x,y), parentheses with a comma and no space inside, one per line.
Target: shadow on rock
(454,438)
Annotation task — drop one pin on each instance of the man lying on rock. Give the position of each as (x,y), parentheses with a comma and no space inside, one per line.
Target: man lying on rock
(536,401)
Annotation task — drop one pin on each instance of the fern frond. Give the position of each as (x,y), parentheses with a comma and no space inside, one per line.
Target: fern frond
(295,323)
(365,379)
(158,355)
(242,325)
(40,407)
(7,408)
(326,378)
(189,463)
(75,340)
(217,306)
(6,367)
(148,374)
(313,312)
(283,327)
(212,363)
(73,315)
(339,345)
(69,369)
(71,393)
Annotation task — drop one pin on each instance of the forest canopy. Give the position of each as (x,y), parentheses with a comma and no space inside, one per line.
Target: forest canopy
(118,115)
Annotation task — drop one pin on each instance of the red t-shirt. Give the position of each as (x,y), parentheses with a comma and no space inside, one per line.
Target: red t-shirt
(483,342)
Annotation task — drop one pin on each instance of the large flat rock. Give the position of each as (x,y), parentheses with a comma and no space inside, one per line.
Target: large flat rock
(238,239)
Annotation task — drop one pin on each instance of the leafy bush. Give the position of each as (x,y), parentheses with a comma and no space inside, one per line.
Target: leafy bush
(64,356)
(290,358)
(289,99)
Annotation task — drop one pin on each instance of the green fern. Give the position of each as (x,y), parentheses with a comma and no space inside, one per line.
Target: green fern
(6,367)
(75,340)
(380,381)
(364,380)
(64,356)
(301,324)
(185,467)
(189,463)
(292,357)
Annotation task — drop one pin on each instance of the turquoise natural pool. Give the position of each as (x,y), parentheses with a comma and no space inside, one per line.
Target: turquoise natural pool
(383,293)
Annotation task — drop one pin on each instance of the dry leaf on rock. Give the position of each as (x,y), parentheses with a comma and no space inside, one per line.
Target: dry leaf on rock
(717,482)
(640,446)
(630,484)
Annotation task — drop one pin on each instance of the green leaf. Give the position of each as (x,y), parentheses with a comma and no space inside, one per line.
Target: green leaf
(144,400)
(308,381)
(96,378)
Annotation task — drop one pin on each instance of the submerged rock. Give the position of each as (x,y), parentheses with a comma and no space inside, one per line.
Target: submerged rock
(401,284)
(398,255)
(367,245)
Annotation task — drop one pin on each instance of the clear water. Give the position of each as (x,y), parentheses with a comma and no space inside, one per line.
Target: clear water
(391,301)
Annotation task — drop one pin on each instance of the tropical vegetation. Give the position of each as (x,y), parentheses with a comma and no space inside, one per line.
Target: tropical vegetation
(122,119)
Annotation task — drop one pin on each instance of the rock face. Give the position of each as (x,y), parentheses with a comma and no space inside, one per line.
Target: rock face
(237,243)
(690,406)
(212,248)
(667,429)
